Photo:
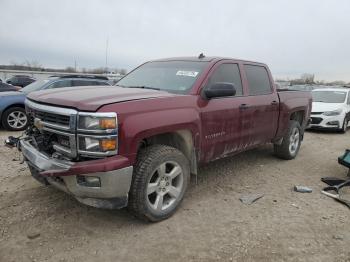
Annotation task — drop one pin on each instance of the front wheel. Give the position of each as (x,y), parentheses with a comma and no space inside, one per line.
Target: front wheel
(160,180)
(15,119)
(291,142)
(345,126)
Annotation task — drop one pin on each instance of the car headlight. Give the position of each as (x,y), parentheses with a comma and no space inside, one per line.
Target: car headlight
(98,144)
(333,113)
(97,134)
(97,121)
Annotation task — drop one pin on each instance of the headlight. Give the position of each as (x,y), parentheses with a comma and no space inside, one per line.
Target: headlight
(97,121)
(333,113)
(97,134)
(98,144)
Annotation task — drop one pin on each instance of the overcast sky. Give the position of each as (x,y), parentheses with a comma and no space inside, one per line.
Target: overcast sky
(292,37)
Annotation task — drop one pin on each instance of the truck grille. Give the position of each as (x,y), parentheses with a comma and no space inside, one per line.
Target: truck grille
(51,118)
(61,122)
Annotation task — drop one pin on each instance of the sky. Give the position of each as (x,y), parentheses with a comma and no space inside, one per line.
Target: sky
(293,37)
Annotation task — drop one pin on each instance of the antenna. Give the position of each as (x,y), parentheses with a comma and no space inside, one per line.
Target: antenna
(106,54)
(201,56)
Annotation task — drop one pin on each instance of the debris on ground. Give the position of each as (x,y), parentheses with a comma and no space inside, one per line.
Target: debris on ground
(251,198)
(33,235)
(302,189)
(335,188)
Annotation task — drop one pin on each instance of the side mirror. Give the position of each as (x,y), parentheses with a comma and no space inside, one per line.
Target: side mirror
(220,89)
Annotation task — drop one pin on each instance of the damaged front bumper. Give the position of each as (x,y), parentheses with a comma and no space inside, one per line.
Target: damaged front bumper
(112,174)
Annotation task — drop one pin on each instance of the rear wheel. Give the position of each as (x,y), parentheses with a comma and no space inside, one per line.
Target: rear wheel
(15,119)
(291,142)
(160,180)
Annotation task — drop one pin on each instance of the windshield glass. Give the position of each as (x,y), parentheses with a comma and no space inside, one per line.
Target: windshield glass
(329,96)
(171,76)
(37,85)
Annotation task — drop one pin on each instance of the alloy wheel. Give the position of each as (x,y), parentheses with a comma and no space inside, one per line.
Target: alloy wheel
(17,120)
(165,186)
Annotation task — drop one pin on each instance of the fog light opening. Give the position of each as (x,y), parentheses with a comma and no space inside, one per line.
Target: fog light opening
(333,123)
(89,181)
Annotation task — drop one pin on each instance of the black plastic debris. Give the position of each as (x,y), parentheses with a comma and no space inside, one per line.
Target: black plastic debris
(334,187)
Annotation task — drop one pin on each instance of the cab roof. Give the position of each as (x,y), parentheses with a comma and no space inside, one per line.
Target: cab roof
(213,59)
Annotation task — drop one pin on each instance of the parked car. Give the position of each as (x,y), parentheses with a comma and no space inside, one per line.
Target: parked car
(330,109)
(307,88)
(12,112)
(6,87)
(135,145)
(20,80)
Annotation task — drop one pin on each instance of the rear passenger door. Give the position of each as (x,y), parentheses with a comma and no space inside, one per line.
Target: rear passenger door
(263,108)
(223,122)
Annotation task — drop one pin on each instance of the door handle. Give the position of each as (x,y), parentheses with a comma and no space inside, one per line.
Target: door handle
(274,103)
(243,107)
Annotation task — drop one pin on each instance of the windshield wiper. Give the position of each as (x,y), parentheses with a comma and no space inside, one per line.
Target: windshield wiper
(144,87)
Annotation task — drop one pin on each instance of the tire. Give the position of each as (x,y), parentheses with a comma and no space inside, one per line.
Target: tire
(155,191)
(15,119)
(344,127)
(291,142)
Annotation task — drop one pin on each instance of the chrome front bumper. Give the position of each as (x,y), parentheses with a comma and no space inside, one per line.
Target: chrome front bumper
(112,192)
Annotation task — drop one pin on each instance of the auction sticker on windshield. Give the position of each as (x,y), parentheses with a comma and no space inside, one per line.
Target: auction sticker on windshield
(187,73)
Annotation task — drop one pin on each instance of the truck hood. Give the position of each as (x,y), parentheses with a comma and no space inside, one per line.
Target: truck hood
(323,107)
(91,98)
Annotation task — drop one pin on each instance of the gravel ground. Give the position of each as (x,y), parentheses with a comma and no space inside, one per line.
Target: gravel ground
(39,223)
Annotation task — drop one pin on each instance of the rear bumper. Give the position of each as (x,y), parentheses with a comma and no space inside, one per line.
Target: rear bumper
(111,192)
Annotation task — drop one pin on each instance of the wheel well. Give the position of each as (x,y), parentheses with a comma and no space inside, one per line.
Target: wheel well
(10,106)
(298,116)
(181,140)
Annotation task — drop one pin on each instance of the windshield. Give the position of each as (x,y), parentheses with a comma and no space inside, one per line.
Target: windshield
(171,76)
(329,96)
(37,85)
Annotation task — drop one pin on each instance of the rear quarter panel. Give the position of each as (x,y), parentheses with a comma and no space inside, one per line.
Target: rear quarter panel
(290,102)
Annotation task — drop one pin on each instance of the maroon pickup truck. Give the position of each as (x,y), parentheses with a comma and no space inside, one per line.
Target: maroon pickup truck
(136,144)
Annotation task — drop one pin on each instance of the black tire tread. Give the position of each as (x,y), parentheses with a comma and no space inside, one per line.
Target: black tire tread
(6,113)
(146,156)
(282,151)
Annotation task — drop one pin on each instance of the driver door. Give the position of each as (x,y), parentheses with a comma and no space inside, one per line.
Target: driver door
(223,118)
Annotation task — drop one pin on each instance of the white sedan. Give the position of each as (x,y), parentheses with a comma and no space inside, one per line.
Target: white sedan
(330,108)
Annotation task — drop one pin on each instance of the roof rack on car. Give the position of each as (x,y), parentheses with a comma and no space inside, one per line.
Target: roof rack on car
(84,76)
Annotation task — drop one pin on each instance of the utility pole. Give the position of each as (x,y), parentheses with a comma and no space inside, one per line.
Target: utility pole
(75,65)
(106,54)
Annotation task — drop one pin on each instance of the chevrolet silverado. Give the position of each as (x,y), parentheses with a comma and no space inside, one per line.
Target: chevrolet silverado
(135,144)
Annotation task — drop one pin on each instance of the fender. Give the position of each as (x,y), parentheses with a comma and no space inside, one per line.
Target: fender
(136,128)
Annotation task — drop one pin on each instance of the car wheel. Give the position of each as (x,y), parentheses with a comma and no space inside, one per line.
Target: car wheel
(345,126)
(290,145)
(160,180)
(15,119)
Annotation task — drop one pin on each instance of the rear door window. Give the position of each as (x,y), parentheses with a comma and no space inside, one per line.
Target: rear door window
(228,73)
(61,83)
(258,80)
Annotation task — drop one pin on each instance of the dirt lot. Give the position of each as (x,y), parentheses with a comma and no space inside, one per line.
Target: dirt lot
(212,224)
